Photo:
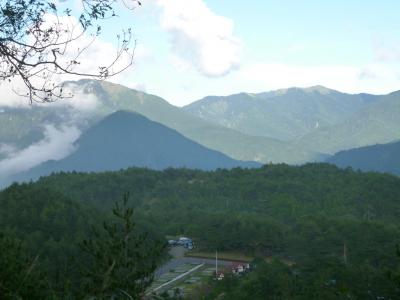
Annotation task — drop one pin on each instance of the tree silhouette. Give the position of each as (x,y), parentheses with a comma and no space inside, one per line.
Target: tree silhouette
(36,38)
(120,262)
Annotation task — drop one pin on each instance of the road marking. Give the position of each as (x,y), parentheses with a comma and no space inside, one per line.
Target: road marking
(176,278)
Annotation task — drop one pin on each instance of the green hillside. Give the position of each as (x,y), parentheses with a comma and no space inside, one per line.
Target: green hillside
(303,215)
(112,97)
(210,135)
(379,158)
(306,215)
(21,127)
(378,123)
(275,196)
(48,247)
(283,114)
(318,119)
(126,139)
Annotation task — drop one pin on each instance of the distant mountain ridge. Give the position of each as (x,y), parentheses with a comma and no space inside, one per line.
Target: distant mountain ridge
(379,158)
(126,139)
(112,97)
(285,114)
(306,124)
(376,123)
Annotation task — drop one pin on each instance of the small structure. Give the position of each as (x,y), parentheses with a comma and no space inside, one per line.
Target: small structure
(240,268)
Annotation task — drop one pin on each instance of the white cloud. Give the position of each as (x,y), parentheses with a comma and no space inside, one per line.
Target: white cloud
(367,74)
(140,87)
(82,102)
(200,38)
(379,71)
(6,149)
(263,76)
(374,78)
(277,76)
(386,52)
(8,97)
(57,144)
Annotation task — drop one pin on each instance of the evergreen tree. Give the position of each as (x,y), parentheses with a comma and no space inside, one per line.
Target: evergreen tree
(119,262)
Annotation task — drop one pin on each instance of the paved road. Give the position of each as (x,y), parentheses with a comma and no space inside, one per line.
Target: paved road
(179,259)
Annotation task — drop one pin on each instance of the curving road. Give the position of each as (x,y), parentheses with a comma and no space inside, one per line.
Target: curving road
(179,259)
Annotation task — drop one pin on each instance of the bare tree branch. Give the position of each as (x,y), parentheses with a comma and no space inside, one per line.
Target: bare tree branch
(37,44)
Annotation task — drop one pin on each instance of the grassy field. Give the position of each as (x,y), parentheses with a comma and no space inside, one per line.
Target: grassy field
(171,275)
(189,285)
(232,256)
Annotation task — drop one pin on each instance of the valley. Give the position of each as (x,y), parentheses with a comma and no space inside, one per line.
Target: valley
(256,190)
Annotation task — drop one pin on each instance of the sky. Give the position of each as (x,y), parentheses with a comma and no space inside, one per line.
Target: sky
(188,49)
(218,47)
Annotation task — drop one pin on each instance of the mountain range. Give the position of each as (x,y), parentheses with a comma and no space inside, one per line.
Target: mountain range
(112,97)
(285,114)
(125,139)
(316,118)
(377,123)
(293,126)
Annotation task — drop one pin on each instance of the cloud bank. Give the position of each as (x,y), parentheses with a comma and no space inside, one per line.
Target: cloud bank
(57,144)
(200,38)
(59,139)
(82,102)
(371,78)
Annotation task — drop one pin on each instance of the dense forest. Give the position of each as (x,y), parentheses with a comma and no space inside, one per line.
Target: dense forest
(324,279)
(338,228)
(55,248)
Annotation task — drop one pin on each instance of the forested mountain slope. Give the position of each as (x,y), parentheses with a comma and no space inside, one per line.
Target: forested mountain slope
(126,139)
(95,100)
(378,123)
(379,158)
(218,208)
(283,114)
(338,228)
(243,126)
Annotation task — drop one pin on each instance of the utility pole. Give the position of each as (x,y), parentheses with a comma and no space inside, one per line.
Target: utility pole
(216,264)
